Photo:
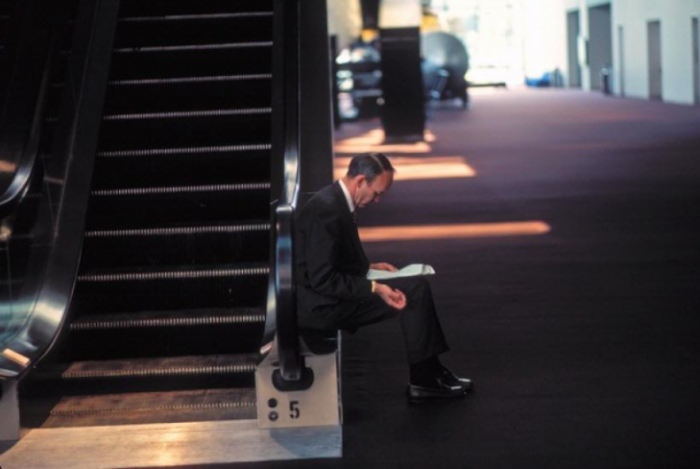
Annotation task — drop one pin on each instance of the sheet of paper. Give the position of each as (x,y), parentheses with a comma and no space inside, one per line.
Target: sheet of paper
(408,271)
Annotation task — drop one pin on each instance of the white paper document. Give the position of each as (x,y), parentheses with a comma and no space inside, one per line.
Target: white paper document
(408,271)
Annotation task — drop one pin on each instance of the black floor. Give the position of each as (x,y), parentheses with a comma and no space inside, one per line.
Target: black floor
(584,343)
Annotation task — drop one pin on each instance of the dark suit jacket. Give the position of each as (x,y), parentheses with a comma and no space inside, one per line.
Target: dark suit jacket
(331,266)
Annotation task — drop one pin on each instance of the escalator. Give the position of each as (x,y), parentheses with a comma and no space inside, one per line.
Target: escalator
(169,306)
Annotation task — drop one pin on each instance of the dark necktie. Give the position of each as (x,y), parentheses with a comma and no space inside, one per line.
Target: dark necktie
(354,216)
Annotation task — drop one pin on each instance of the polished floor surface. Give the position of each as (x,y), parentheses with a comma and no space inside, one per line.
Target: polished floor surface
(167,445)
(583,341)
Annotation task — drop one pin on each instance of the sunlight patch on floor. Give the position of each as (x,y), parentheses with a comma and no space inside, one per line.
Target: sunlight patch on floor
(453,231)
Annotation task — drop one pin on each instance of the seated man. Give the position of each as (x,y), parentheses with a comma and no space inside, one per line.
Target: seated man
(334,293)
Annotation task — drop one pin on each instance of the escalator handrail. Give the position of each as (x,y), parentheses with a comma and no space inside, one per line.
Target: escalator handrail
(282,316)
(22,113)
(60,225)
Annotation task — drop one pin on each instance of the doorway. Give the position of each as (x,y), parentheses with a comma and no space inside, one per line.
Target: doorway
(600,45)
(696,60)
(573,31)
(654,51)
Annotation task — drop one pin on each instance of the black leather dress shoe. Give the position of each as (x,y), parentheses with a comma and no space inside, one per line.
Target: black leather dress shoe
(437,388)
(454,380)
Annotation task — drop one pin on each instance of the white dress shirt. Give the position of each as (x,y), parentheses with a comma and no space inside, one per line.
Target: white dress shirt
(348,197)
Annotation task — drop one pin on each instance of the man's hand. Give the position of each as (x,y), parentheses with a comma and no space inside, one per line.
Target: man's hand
(383,266)
(394,298)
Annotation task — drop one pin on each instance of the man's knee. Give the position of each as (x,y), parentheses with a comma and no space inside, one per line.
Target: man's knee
(413,285)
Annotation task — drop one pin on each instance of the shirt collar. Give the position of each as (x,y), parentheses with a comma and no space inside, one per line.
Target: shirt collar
(348,197)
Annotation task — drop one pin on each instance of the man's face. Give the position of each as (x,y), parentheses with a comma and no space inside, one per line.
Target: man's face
(371,191)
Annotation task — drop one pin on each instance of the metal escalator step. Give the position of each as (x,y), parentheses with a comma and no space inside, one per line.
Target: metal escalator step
(151,319)
(185,150)
(253,186)
(175,274)
(130,8)
(154,207)
(154,407)
(192,47)
(179,170)
(156,367)
(167,289)
(191,62)
(181,80)
(188,114)
(162,246)
(181,230)
(130,134)
(196,17)
(194,29)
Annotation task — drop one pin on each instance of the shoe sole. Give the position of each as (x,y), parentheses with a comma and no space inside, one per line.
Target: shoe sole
(426,395)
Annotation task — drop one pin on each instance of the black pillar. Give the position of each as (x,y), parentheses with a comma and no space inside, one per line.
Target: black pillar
(403,112)
(370,14)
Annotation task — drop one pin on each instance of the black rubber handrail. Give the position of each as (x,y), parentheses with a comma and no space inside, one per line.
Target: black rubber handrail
(28,65)
(282,315)
(60,223)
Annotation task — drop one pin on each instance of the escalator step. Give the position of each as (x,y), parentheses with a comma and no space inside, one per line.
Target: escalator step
(181,189)
(183,230)
(194,79)
(191,129)
(175,274)
(148,207)
(153,407)
(153,367)
(115,291)
(152,319)
(190,94)
(193,47)
(183,61)
(127,375)
(130,8)
(176,245)
(186,150)
(196,16)
(103,335)
(181,114)
(194,29)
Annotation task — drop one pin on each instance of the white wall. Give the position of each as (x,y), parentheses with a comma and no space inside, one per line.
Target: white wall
(676,46)
(344,20)
(400,13)
(544,36)
(633,15)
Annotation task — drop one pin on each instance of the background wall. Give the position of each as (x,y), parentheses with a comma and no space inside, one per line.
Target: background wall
(344,20)
(544,37)
(541,26)
(632,15)
(676,46)
(400,13)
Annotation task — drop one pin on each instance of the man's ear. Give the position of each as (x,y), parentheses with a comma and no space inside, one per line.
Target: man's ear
(361,179)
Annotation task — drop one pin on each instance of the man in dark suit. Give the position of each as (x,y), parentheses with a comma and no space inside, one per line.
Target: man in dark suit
(333,292)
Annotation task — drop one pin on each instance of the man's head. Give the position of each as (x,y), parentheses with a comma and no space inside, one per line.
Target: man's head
(369,176)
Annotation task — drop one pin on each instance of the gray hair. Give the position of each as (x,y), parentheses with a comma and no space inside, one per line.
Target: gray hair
(370,165)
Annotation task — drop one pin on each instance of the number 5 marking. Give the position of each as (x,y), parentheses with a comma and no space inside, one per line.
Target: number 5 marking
(294,411)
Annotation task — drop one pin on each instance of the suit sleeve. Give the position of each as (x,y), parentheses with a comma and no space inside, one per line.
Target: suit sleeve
(322,255)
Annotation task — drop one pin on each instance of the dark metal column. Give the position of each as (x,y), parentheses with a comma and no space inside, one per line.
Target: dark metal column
(403,114)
